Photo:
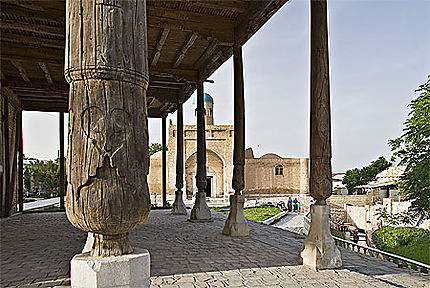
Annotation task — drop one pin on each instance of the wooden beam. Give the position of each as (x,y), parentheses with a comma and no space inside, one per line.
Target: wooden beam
(5,200)
(205,55)
(36,84)
(187,45)
(160,43)
(31,41)
(166,69)
(32,27)
(21,70)
(255,17)
(46,72)
(234,6)
(203,24)
(14,51)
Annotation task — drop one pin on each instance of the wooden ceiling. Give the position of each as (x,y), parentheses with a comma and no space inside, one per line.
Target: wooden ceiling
(187,41)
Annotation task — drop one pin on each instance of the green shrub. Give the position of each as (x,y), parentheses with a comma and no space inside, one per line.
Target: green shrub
(410,242)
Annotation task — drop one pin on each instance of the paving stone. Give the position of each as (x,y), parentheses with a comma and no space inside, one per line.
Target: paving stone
(36,250)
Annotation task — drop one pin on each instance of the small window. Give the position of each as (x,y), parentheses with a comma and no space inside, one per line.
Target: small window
(174,133)
(279,170)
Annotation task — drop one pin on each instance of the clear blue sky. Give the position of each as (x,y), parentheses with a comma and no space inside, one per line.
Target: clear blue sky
(379,54)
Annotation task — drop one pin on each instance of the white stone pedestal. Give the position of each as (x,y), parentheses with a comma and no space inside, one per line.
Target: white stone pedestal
(319,250)
(236,224)
(126,271)
(178,207)
(200,211)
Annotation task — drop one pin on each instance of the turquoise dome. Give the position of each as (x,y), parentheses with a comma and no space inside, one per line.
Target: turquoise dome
(206,98)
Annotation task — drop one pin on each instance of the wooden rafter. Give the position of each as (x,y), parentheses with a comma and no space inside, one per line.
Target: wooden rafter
(205,55)
(160,43)
(21,70)
(187,45)
(31,27)
(193,22)
(46,72)
(235,6)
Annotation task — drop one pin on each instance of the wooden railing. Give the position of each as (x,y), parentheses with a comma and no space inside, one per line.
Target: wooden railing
(402,262)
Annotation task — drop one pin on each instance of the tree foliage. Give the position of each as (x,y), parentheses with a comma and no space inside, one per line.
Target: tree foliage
(356,177)
(45,175)
(413,150)
(154,148)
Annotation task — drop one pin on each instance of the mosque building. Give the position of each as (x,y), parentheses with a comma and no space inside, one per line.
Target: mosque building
(267,176)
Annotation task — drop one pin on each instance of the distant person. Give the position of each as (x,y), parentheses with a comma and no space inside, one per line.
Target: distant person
(298,207)
(290,204)
(295,205)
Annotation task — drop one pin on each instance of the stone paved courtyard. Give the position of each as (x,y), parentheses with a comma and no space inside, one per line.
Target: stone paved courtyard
(36,250)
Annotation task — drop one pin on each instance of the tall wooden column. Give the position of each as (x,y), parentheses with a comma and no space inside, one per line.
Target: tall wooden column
(62,187)
(163,160)
(107,162)
(20,163)
(200,211)
(236,224)
(178,207)
(319,250)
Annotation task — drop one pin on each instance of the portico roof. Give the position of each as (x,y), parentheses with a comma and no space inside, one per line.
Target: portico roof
(187,41)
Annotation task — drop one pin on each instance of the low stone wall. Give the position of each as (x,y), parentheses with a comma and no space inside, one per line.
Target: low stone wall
(339,201)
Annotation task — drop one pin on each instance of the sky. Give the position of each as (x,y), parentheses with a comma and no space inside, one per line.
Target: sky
(379,55)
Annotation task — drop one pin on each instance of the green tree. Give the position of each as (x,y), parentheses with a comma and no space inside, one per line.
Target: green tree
(356,177)
(46,175)
(154,148)
(413,150)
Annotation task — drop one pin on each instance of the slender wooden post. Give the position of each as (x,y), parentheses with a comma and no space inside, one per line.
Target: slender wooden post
(320,134)
(236,224)
(20,163)
(7,194)
(200,211)
(107,163)
(163,160)
(62,187)
(178,207)
(319,250)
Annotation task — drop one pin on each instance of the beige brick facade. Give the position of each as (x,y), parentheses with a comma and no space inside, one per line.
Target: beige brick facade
(261,178)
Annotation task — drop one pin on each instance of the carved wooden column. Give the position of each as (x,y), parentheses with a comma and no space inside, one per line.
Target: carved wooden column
(178,207)
(200,211)
(163,161)
(319,250)
(62,187)
(236,224)
(107,162)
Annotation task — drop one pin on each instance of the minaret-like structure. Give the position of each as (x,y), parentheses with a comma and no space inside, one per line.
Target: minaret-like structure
(208,102)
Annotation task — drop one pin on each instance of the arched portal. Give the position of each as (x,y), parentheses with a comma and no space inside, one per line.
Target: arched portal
(214,174)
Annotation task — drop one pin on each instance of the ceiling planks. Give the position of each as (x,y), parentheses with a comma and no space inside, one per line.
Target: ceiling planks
(187,41)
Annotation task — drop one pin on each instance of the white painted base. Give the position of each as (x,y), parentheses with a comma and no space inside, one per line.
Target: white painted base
(126,271)
(319,250)
(236,224)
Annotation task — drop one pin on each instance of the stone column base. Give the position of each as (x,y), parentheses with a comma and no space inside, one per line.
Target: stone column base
(236,224)
(319,250)
(200,211)
(178,207)
(126,271)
